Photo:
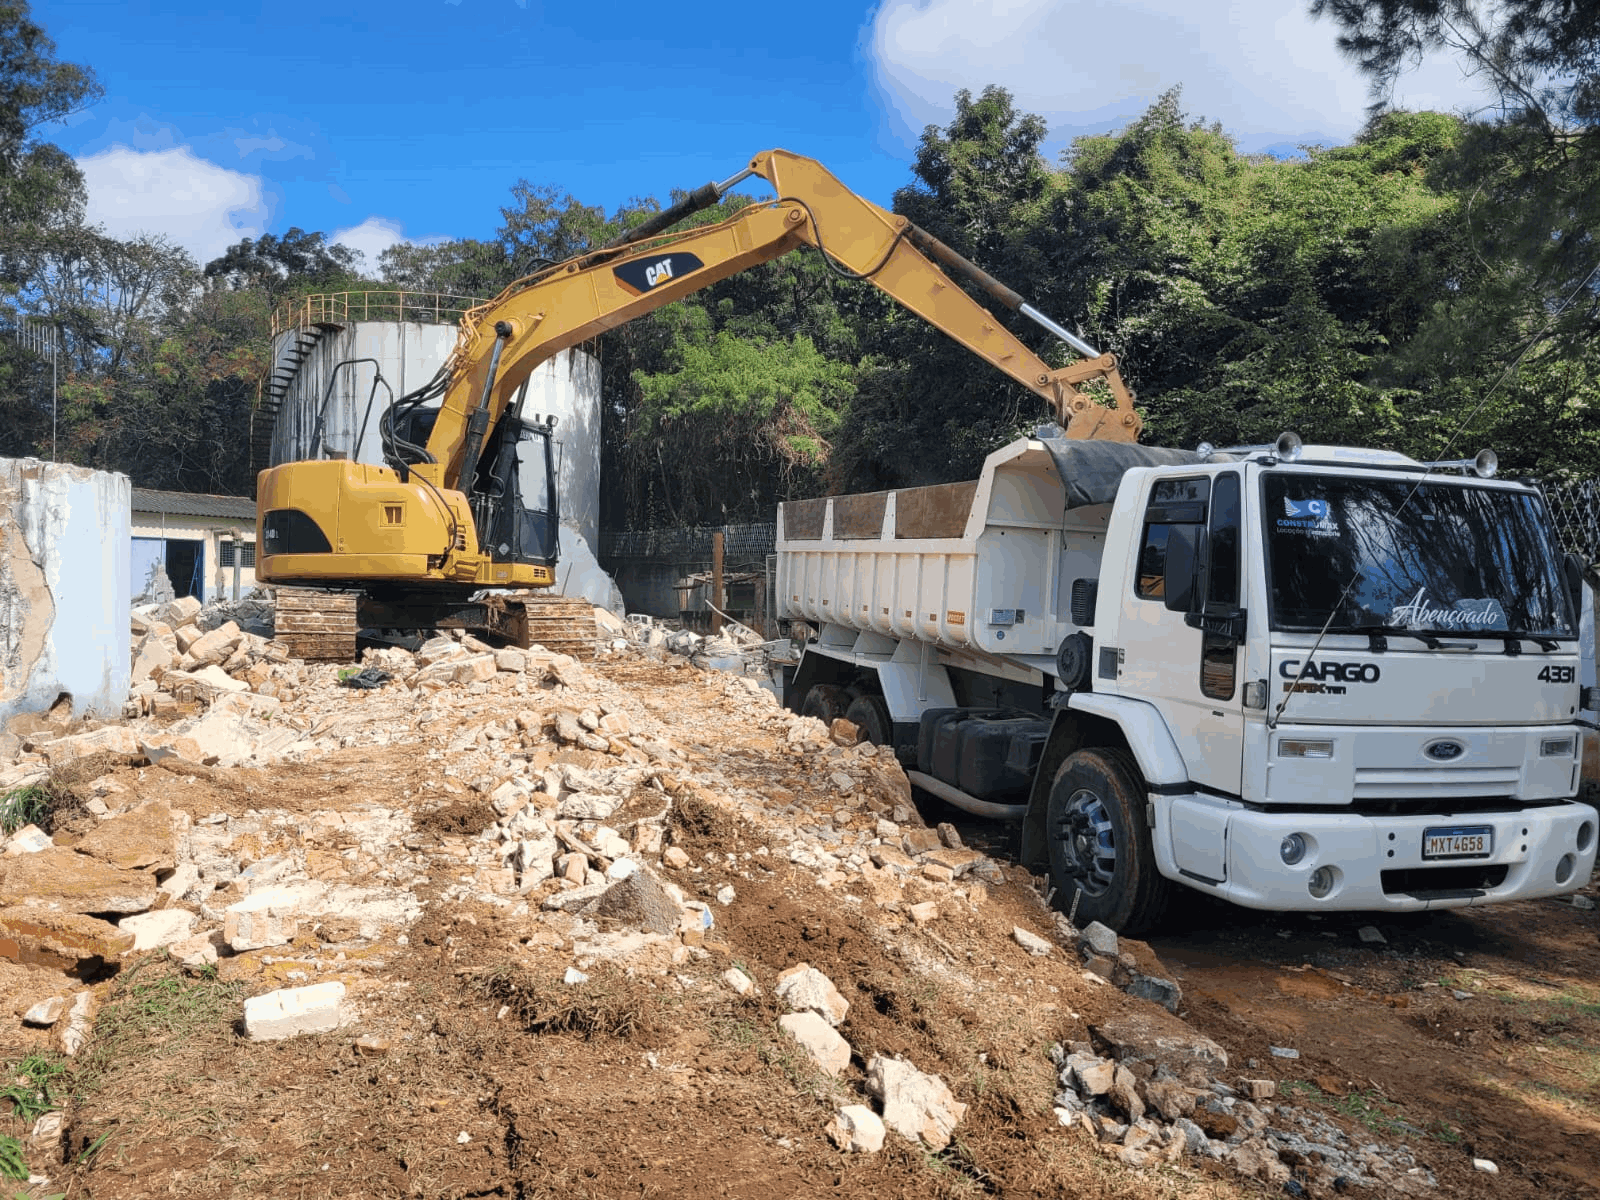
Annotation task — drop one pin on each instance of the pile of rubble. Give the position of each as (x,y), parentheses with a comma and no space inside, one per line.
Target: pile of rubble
(1151,1091)
(582,775)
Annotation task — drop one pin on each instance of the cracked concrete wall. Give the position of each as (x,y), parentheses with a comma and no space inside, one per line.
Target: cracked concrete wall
(64,559)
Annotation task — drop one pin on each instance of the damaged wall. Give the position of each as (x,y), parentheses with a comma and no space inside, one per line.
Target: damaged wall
(64,562)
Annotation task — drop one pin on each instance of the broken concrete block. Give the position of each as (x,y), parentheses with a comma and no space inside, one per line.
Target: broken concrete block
(916,1106)
(113,739)
(290,1012)
(74,883)
(924,913)
(805,989)
(179,882)
(152,655)
(1158,1038)
(39,936)
(738,981)
(153,930)
(856,1129)
(674,857)
(65,548)
(511,660)
(920,841)
(72,1031)
(1161,991)
(143,839)
(197,950)
(45,1013)
(268,917)
(180,612)
(1031,942)
(588,806)
(829,1051)
(30,839)
(1097,939)
(216,646)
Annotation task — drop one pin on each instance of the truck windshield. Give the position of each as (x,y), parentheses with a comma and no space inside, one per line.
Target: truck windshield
(1457,559)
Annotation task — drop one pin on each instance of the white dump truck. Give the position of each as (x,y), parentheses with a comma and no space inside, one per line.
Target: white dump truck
(1296,677)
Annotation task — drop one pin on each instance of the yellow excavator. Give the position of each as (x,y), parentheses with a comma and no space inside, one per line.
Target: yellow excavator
(466,497)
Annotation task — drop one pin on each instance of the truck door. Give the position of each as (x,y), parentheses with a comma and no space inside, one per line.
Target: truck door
(1191,676)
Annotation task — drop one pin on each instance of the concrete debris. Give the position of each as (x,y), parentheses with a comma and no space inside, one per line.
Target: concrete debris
(46,1013)
(1031,942)
(30,839)
(829,1051)
(738,981)
(1487,1166)
(1097,940)
(805,989)
(856,1129)
(153,930)
(73,1030)
(918,1107)
(1372,935)
(290,1012)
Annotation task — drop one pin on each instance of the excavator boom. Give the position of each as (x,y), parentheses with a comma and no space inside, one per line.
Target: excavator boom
(466,498)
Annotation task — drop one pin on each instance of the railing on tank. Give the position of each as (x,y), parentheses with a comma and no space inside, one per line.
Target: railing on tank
(340,308)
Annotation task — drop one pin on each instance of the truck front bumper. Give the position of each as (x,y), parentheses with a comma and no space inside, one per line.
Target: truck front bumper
(1356,861)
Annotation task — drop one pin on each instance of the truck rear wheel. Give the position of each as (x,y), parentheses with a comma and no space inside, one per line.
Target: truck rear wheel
(1101,853)
(871,715)
(826,703)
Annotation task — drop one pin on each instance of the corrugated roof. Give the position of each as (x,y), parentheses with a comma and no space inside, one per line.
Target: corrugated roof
(193,504)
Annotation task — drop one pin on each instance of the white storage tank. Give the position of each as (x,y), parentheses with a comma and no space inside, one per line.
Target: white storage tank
(64,605)
(329,350)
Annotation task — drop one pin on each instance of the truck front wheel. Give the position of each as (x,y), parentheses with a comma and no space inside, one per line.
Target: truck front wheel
(1101,854)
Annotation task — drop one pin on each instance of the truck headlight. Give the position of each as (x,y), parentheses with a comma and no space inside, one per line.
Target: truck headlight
(1292,849)
(1305,747)
(1320,885)
(1555,747)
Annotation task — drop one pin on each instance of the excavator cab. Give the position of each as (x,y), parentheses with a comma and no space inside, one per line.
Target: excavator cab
(515,503)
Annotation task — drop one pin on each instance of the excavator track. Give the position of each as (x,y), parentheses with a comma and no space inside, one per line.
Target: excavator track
(316,625)
(560,624)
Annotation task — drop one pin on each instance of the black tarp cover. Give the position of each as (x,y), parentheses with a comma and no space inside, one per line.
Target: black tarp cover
(1091,471)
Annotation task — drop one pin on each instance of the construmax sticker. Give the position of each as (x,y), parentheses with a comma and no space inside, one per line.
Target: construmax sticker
(1314,517)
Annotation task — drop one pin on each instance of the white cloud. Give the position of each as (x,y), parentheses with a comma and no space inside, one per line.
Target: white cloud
(200,206)
(371,238)
(1263,68)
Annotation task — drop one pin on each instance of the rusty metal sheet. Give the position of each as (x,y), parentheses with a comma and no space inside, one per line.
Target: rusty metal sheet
(939,511)
(859,516)
(802,519)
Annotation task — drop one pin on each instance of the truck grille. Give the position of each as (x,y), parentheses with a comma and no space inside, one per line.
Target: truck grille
(1434,783)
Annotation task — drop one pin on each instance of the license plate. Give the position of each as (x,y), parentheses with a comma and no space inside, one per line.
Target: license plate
(1463,841)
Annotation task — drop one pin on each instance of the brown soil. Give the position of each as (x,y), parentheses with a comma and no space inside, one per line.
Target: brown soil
(483,1074)
(1511,1073)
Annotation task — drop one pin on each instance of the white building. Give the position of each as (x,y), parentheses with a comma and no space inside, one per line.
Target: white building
(195,539)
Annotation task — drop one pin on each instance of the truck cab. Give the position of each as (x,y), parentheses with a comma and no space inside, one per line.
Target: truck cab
(1293,677)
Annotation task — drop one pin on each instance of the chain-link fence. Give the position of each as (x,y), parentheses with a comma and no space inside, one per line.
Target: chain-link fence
(1575,513)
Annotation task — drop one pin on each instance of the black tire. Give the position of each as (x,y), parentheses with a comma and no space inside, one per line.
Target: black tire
(825,702)
(871,715)
(1100,846)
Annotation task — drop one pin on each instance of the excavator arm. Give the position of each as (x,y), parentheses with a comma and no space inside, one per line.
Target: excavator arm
(466,499)
(567,304)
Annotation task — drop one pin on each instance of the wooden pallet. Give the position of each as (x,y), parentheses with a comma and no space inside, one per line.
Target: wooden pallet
(562,625)
(316,625)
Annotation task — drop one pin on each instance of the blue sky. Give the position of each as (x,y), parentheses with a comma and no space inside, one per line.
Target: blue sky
(413,118)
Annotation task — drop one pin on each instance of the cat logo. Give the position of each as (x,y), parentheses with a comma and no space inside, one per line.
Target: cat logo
(646,274)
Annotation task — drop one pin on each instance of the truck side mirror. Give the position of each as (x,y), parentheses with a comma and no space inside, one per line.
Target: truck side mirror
(1183,560)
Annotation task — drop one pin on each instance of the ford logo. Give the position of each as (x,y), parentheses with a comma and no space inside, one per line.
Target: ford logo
(1443,751)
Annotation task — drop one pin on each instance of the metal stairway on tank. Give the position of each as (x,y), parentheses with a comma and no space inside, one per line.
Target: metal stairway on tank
(276,386)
